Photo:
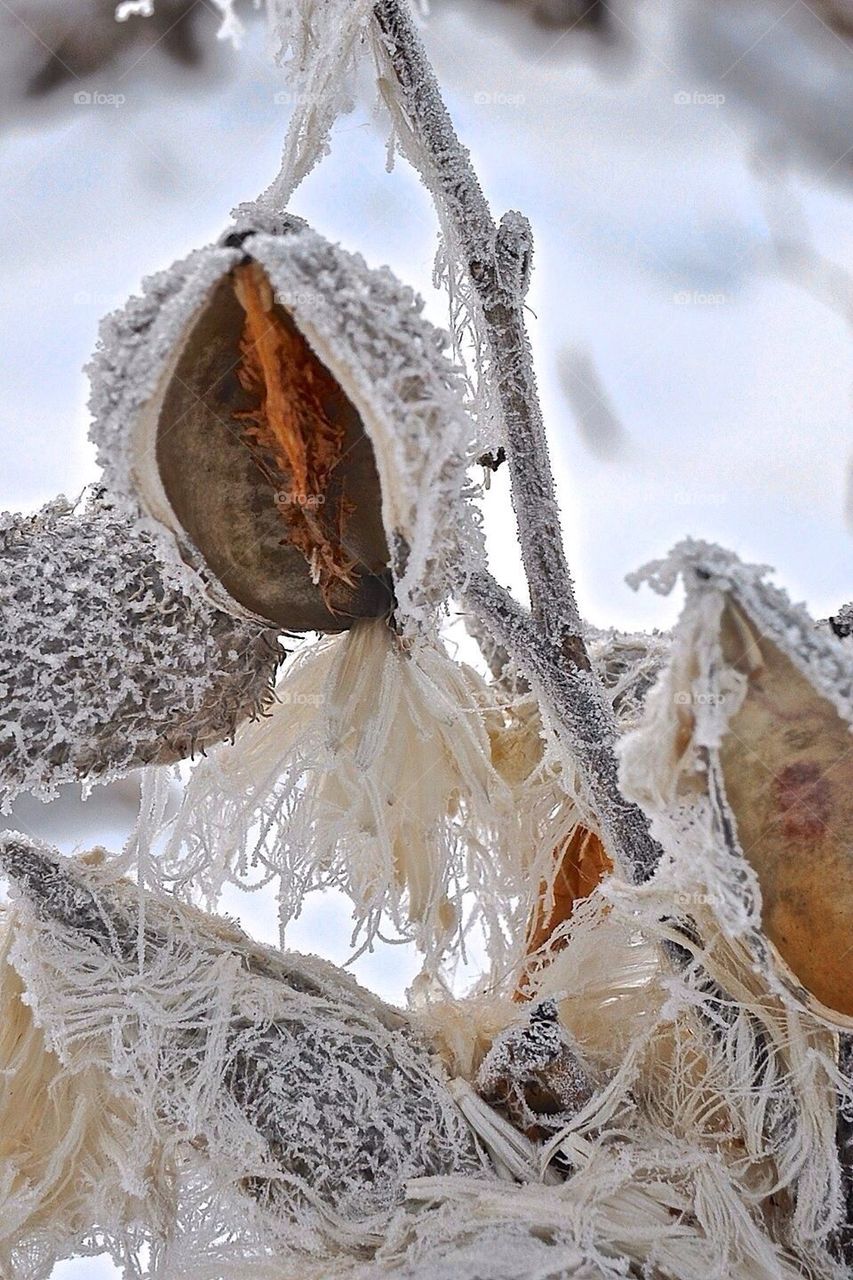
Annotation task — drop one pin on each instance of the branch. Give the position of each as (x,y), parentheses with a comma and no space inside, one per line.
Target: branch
(577,704)
(550,646)
(498,260)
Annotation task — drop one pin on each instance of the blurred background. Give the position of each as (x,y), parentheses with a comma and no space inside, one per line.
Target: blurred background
(687,166)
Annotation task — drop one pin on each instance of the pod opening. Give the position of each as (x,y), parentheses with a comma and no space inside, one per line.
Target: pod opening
(268,467)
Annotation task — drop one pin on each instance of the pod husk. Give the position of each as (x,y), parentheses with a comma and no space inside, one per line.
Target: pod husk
(108,662)
(745,754)
(227,490)
(788,773)
(207,401)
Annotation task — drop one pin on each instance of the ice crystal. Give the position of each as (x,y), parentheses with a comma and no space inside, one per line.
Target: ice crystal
(104,663)
(368,330)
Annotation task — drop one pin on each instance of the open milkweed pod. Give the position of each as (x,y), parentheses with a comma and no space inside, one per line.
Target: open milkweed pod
(748,731)
(285,417)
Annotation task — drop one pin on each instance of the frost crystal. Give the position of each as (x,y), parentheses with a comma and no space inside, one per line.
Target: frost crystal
(368,330)
(175,1055)
(104,664)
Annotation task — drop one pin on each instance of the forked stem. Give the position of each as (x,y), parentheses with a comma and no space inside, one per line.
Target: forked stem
(548,644)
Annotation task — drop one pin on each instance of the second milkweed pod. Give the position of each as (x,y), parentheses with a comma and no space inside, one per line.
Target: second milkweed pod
(106,662)
(284,414)
(750,727)
(187,1056)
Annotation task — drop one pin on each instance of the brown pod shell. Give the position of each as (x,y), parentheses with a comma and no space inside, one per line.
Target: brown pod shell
(226,496)
(745,754)
(287,421)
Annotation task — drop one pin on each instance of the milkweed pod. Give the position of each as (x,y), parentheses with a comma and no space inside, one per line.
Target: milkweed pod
(753,720)
(106,662)
(268,1077)
(788,773)
(287,419)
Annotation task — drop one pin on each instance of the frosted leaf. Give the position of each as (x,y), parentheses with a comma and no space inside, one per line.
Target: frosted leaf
(105,664)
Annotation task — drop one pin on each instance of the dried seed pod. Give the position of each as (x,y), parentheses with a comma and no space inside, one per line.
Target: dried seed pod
(534,1070)
(270,1078)
(749,729)
(787,769)
(105,665)
(288,418)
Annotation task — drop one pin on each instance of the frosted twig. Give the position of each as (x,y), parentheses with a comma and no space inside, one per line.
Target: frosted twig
(497,259)
(576,702)
(550,645)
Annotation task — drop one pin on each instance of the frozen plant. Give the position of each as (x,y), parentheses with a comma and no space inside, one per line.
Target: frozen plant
(652,1074)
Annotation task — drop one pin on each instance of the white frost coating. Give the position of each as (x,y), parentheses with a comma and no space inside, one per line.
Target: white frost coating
(315,1101)
(628,664)
(105,665)
(319,46)
(669,764)
(816,653)
(135,347)
(374,773)
(368,329)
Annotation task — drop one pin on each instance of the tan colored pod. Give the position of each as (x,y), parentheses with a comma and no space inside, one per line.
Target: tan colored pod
(288,422)
(745,750)
(788,771)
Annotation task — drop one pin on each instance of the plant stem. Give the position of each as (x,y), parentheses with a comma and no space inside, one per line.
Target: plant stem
(549,644)
(576,701)
(497,259)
